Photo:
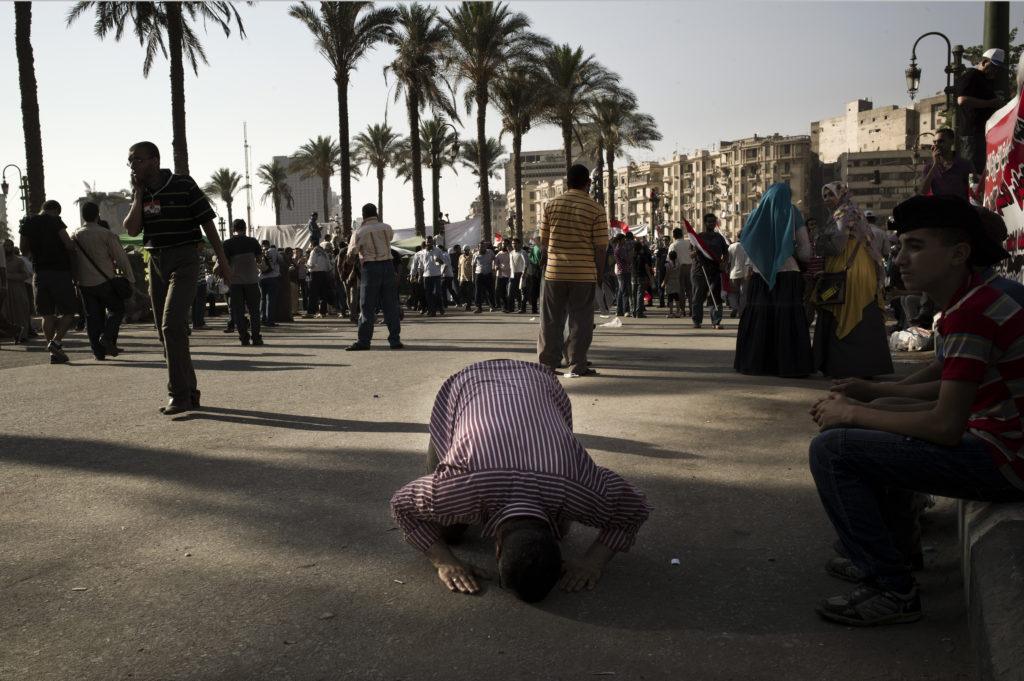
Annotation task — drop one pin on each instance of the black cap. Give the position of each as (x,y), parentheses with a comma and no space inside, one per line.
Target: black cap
(948,212)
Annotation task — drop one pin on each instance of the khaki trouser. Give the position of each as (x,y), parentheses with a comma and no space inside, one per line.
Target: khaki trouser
(561,300)
(173,273)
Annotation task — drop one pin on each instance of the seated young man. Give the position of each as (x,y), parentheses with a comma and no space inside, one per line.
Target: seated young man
(502,455)
(965,443)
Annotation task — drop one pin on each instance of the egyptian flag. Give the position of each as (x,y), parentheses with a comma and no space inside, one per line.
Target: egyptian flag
(1004,181)
(702,248)
(618,224)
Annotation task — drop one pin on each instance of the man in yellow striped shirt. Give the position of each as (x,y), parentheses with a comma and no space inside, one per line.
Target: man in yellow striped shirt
(573,237)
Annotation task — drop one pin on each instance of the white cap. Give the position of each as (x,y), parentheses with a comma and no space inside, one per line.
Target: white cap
(995,55)
(869,214)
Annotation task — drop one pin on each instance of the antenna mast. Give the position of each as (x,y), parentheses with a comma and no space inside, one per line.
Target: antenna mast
(248,182)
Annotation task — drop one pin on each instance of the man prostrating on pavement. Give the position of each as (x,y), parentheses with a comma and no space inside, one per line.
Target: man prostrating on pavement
(524,486)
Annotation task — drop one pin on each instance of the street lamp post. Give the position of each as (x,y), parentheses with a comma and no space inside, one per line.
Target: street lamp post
(954,67)
(5,187)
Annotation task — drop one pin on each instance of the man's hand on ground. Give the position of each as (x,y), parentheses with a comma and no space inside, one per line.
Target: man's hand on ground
(579,575)
(461,577)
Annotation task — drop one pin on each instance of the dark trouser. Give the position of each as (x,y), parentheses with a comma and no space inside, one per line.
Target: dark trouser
(513,296)
(528,290)
(639,289)
(501,293)
(103,313)
(199,305)
(246,297)
(466,293)
(173,273)
(854,468)
(972,147)
(685,288)
(378,284)
(622,293)
(268,299)
(318,289)
(448,289)
(701,292)
(562,299)
(432,292)
(304,294)
(661,286)
(484,289)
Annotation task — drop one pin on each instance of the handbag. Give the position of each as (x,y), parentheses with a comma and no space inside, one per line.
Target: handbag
(122,287)
(830,288)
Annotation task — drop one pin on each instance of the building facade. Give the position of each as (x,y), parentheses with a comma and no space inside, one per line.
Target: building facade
(307,194)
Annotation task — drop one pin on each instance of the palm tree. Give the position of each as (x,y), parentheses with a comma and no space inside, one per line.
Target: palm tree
(223,185)
(621,126)
(420,42)
(572,82)
(484,37)
(377,148)
(441,142)
(470,157)
(345,32)
(515,96)
(318,158)
(150,21)
(29,107)
(275,176)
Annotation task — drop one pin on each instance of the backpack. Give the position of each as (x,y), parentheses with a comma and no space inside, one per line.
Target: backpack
(265,263)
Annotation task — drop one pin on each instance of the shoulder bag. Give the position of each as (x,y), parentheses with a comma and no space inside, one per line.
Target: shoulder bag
(831,286)
(122,287)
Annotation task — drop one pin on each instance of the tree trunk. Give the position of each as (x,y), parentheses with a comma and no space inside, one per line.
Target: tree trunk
(346,162)
(179,141)
(481,141)
(611,189)
(277,211)
(435,191)
(412,103)
(231,219)
(600,172)
(380,193)
(517,178)
(29,107)
(325,187)
(567,145)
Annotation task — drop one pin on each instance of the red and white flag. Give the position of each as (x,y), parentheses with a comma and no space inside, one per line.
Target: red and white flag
(618,224)
(1004,181)
(703,249)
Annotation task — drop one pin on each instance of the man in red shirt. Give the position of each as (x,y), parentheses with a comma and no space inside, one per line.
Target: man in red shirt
(522,485)
(966,444)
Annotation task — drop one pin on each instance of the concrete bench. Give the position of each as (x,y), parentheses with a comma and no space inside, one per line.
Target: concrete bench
(992,545)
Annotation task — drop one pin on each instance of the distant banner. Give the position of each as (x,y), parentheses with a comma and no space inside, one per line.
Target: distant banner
(1004,176)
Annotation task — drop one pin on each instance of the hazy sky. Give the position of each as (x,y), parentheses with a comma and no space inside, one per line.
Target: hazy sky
(706,71)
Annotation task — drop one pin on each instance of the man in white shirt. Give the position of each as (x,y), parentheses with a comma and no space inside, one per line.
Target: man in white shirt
(737,276)
(429,262)
(517,261)
(681,247)
(319,266)
(371,243)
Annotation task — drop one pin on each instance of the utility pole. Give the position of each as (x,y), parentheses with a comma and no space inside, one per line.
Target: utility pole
(248,182)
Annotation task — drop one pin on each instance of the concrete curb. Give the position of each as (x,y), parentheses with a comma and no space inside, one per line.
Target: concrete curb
(992,543)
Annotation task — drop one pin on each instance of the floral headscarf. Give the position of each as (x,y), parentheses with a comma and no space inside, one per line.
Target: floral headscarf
(847,215)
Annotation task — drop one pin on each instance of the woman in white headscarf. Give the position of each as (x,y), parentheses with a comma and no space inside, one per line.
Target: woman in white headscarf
(849,337)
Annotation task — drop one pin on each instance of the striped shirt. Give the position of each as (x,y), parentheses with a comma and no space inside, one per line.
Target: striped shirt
(983,342)
(502,430)
(173,214)
(372,240)
(573,227)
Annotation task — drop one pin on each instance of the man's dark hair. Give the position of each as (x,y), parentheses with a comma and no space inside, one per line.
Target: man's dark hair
(238,226)
(947,132)
(530,562)
(51,205)
(90,211)
(710,215)
(677,233)
(369,211)
(265,243)
(579,176)
(147,148)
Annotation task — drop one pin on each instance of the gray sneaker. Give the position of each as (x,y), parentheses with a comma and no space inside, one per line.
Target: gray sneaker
(868,606)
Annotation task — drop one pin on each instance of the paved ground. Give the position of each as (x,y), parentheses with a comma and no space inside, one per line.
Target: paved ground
(252,540)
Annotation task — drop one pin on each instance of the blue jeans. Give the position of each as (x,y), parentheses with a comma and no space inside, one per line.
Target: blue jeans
(623,293)
(378,284)
(268,299)
(639,290)
(854,468)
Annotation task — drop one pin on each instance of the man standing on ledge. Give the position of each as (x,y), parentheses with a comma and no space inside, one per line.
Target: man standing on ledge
(378,282)
(169,209)
(524,486)
(574,235)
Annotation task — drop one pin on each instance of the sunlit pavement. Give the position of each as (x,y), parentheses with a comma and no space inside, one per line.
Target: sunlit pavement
(252,539)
